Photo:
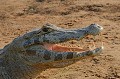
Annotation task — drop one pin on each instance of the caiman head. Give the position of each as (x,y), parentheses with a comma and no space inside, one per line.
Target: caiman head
(41,46)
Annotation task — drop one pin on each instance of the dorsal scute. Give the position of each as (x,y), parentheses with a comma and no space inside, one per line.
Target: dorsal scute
(51,26)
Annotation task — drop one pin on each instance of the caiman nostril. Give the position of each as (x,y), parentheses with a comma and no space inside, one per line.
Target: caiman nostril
(45,29)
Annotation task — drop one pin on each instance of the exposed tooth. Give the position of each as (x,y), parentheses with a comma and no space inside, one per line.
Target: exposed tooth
(102,47)
(101,28)
(70,50)
(94,45)
(102,43)
(101,37)
(82,41)
(90,47)
(94,38)
(77,39)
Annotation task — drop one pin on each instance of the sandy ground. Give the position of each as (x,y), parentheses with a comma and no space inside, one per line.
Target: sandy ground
(19,16)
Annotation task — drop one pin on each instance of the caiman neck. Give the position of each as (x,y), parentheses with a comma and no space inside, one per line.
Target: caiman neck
(1,56)
(12,66)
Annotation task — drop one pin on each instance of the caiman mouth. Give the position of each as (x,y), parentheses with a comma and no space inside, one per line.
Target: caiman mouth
(55,42)
(52,43)
(61,48)
(89,43)
(52,38)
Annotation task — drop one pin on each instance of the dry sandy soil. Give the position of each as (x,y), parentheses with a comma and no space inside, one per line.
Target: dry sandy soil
(19,16)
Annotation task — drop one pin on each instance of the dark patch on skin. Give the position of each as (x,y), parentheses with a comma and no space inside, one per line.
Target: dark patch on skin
(58,57)
(1,51)
(1,59)
(79,55)
(82,54)
(47,55)
(98,49)
(36,41)
(69,55)
(45,40)
(30,52)
(88,53)
(27,43)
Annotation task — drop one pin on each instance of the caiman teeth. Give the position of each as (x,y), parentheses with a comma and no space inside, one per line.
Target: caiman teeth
(82,41)
(60,48)
(102,45)
(78,39)
(92,47)
(94,38)
(101,28)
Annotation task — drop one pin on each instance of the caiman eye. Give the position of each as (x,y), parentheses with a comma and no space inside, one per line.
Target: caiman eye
(45,29)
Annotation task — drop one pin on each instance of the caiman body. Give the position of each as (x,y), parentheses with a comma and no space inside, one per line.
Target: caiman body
(18,58)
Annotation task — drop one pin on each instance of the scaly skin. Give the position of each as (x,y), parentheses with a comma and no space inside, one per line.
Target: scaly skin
(18,58)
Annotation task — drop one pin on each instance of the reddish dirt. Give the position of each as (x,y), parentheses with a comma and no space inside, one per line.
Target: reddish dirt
(19,16)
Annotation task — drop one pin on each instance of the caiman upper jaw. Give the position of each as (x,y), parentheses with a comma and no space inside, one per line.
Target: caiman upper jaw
(54,36)
(77,34)
(94,29)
